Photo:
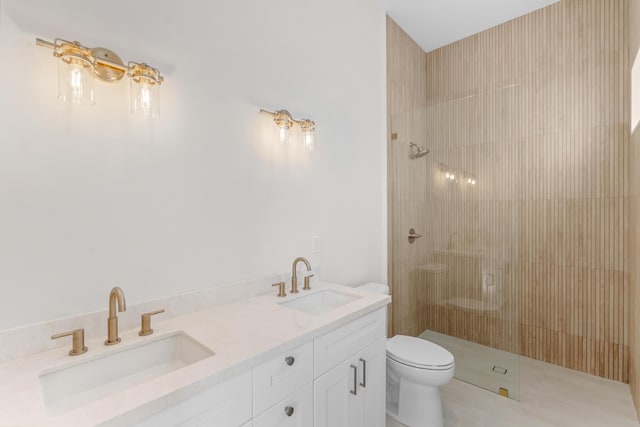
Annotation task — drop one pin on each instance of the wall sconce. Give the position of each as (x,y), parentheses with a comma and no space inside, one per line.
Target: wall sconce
(79,66)
(283,119)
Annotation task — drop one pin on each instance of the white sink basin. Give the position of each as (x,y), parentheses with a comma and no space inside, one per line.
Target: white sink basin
(320,302)
(68,388)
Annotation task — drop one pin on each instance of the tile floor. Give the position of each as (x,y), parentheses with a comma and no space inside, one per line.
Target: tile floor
(549,396)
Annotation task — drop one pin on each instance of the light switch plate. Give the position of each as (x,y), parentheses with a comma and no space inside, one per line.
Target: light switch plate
(315,244)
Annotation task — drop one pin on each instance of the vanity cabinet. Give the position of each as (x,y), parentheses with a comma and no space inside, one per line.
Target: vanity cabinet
(351,364)
(227,404)
(335,380)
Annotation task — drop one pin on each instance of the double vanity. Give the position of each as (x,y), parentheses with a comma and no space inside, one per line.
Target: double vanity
(312,358)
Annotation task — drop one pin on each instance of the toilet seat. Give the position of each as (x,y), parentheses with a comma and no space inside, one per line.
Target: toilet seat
(419,353)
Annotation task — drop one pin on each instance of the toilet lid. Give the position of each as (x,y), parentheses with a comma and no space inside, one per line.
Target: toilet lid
(417,352)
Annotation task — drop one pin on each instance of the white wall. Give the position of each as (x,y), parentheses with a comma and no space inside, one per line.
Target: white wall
(92,197)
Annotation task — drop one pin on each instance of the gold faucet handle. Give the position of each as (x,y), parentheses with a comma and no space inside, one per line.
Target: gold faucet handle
(307,285)
(145,320)
(281,292)
(78,341)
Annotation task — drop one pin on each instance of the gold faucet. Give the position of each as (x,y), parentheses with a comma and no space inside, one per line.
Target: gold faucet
(112,323)
(294,277)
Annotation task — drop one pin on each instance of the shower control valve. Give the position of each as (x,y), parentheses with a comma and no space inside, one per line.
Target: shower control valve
(413,235)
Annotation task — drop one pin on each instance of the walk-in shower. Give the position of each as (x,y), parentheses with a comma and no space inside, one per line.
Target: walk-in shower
(522,202)
(456,286)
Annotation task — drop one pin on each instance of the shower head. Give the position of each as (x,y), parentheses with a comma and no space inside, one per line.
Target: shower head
(419,151)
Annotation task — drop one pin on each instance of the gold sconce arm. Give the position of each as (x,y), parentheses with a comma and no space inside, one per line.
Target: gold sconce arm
(45,43)
(305,124)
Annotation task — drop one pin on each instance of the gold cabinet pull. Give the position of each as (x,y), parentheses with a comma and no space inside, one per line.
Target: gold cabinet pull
(145,321)
(78,341)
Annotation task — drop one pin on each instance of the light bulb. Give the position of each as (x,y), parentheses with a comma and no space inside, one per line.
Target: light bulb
(76,83)
(308,142)
(284,135)
(145,97)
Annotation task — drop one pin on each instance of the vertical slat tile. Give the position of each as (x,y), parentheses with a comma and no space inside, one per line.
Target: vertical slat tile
(561,173)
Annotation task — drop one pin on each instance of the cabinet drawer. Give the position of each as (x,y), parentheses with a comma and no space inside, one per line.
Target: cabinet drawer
(300,405)
(224,405)
(279,377)
(344,342)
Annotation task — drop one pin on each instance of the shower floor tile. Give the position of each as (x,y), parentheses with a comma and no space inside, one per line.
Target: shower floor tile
(480,365)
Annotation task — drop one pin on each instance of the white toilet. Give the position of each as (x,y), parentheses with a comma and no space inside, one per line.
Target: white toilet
(416,368)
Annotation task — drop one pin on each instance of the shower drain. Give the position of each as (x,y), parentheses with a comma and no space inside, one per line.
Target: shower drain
(499,369)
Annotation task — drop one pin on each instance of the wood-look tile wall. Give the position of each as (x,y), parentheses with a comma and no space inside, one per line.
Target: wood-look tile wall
(634,265)
(406,100)
(538,110)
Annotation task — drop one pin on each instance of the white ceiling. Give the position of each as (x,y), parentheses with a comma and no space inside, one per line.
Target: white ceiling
(436,23)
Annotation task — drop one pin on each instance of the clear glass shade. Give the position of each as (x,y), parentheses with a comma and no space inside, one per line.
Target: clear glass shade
(145,98)
(76,81)
(308,142)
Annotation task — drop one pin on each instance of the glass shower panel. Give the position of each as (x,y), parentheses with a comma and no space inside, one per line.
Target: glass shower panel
(457,285)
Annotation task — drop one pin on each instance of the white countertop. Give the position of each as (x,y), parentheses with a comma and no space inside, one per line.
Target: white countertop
(242,335)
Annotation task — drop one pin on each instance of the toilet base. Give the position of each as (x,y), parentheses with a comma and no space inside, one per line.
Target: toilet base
(419,406)
(392,422)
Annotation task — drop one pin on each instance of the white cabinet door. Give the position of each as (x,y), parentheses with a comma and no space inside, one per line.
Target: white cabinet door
(295,410)
(335,393)
(353,393)
(372,365)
